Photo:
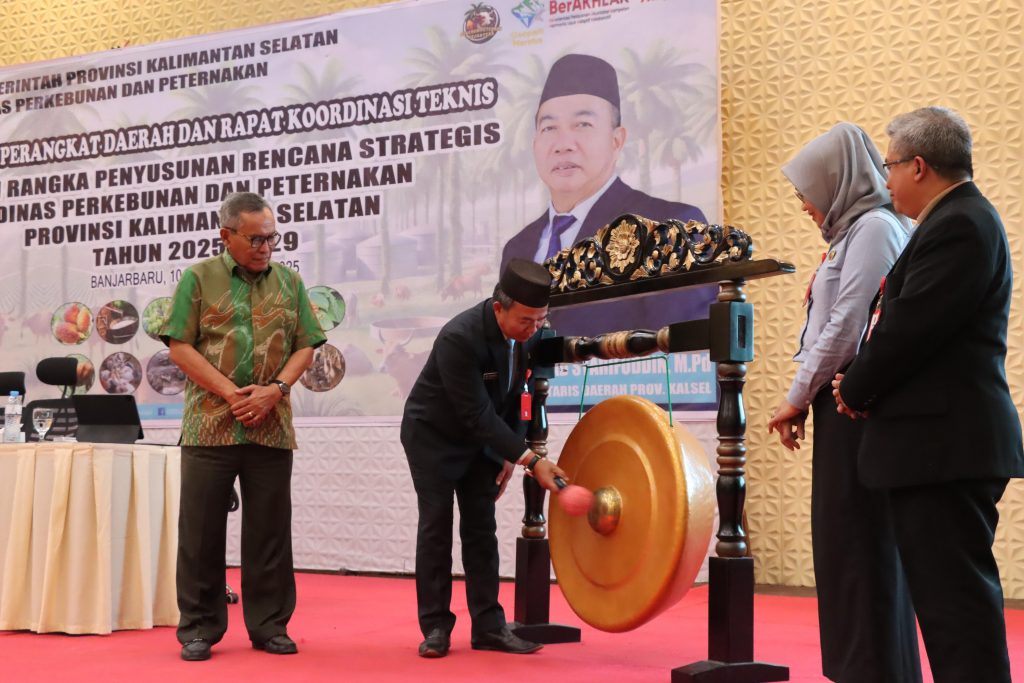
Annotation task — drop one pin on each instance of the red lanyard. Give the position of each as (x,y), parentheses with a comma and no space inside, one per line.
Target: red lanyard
(877,313)
(526,400)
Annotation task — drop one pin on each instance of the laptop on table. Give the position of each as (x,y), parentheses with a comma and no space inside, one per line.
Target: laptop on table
(107,419)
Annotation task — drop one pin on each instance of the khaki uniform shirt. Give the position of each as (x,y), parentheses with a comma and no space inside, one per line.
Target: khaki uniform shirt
(247,327)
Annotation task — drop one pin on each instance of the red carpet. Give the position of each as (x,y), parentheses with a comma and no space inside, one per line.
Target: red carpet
(364,629)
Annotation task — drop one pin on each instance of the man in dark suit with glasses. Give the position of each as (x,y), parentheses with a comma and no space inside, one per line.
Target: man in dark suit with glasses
(942,436)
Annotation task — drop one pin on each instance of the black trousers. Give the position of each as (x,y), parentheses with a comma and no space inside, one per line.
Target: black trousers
(435,495)
(268,579)
(865,616)
(945,534)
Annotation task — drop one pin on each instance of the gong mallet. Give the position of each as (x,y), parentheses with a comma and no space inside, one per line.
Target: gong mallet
(575,500)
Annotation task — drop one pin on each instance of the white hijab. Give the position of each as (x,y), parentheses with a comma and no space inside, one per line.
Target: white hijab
(840,173)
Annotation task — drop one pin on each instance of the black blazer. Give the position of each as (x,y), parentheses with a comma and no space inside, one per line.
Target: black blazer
(932,373)
(650,312)
(461,407)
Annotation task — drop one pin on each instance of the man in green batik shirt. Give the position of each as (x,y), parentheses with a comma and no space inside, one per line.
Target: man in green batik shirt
(242,329)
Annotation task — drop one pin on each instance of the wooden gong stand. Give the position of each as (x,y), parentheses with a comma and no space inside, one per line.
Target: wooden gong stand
(728,334)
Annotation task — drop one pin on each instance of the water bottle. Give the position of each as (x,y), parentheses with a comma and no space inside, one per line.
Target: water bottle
(12,419)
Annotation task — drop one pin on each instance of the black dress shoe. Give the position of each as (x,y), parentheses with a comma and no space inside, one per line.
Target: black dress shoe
(504,640)
(277,645)
(196,650)
(436,644)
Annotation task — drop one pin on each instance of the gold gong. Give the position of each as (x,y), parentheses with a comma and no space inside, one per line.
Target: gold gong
(640,547)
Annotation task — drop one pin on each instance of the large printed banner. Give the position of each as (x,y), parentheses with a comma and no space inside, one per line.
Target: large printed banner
(401,150)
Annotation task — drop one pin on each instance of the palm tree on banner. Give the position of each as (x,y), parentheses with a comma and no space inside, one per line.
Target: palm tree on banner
(222,98)
(123,120)
(655,87)
(447,59)
(58,121)
(329,83)
(699,116)
(518,115)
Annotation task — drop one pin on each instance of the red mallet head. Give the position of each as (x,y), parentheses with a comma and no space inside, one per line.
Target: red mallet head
(575,500)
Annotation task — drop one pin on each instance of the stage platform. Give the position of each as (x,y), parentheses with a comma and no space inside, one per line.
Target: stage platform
(363,629)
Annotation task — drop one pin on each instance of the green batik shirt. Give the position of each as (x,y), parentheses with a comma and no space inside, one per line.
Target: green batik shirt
(247,327)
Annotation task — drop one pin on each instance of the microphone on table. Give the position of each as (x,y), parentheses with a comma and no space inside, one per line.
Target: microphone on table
(575,500)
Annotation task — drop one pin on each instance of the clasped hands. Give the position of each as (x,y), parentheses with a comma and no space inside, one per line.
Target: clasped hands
(841,406)
(789,420)
(252,403)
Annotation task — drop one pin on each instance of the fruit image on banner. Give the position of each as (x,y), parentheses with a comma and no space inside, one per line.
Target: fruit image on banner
(71,323)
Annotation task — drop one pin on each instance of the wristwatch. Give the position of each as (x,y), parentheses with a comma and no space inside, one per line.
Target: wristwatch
(283,386)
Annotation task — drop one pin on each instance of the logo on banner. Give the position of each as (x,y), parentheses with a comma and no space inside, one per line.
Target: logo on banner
(480,23)
(569,12)
(527,11)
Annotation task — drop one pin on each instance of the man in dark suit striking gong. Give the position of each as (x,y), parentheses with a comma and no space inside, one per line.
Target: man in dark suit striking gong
(463,429)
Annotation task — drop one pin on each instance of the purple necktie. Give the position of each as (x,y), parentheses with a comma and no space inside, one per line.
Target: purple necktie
(559,224)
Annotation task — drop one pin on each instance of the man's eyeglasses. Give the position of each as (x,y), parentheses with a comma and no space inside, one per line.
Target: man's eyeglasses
(257,241)
(889,164)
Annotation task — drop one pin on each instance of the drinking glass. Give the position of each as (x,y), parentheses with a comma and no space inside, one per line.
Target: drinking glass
(42,420)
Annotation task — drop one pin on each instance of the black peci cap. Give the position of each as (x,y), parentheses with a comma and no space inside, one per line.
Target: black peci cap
(527,283)
(576,74)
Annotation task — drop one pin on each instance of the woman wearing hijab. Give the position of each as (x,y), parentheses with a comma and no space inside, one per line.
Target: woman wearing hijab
(865,616)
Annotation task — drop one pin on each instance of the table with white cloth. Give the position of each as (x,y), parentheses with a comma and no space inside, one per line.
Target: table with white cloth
(88,536)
